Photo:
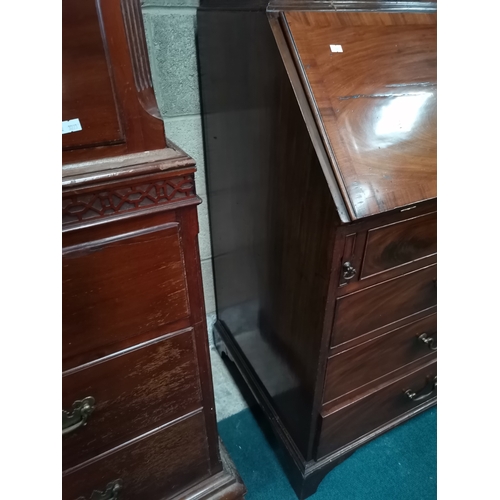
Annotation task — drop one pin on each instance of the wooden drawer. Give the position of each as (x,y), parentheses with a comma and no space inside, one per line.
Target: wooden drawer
(357,366)
(371,308)
(400,243)
(121,286)
(135,391)
(157,466)
(354,420)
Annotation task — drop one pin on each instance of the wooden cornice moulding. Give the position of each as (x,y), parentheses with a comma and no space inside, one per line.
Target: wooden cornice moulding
(93,171)
(131,195)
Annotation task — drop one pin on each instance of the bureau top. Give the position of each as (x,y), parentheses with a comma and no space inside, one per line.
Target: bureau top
(371,82)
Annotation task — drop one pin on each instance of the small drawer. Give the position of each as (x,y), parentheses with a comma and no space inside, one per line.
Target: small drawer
(374,307)
(122,286)
(400,243)
(357,419)
(360,365)
(165,462)
(133,392)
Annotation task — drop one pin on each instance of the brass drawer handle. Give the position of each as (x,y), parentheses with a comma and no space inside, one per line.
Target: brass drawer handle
(420,396)
(110,493)
(77,417)
(349,271)
(430,342)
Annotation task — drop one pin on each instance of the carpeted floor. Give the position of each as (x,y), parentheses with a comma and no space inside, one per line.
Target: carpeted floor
(399,465)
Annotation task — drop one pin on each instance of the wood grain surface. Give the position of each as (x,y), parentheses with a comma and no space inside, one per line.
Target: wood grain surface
(376,102)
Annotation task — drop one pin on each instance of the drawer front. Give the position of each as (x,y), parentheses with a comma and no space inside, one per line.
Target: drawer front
(357,419)
(367,310)
(134,392)
(157,466)
(400,243)
(122,286)
(355,367)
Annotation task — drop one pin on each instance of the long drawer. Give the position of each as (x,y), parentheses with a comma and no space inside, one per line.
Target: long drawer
(357,366)
(359,418)
(367,310)
(122,286)
(159,465)
(133,392)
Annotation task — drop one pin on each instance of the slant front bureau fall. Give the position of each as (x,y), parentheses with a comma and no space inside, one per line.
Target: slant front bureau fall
(320,137)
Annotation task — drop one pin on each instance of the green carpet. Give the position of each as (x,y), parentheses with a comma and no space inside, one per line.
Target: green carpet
(399,465)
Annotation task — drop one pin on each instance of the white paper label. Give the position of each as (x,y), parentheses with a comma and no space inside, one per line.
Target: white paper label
(71,126)
(336,48)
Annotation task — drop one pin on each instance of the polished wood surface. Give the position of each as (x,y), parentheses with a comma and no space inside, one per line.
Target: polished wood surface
(135,391)
(153,466)
(362,312)
(308,339)
(107,81)
(354,367)
(354,420)
(400,243)
(404,244)
(376,102)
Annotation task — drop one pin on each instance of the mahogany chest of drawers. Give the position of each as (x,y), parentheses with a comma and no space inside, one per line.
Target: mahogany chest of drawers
(138,406)
(320,137)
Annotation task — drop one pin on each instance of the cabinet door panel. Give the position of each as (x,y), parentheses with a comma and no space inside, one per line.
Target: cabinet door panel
(87,87)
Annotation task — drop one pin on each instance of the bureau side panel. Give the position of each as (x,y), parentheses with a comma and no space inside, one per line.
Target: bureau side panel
(272,217)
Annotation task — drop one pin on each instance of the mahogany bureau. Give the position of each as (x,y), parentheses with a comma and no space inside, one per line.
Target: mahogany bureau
(138,417)
(320,138)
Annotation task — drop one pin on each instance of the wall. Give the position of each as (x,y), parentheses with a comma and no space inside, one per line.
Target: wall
(170,32)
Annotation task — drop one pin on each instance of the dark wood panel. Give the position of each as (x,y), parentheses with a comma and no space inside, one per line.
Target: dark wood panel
(399,243)
(357,419)
(159,465)
(118,287)
(272,216)
(374,307)
(355,367)
(135,391)
(376,102)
